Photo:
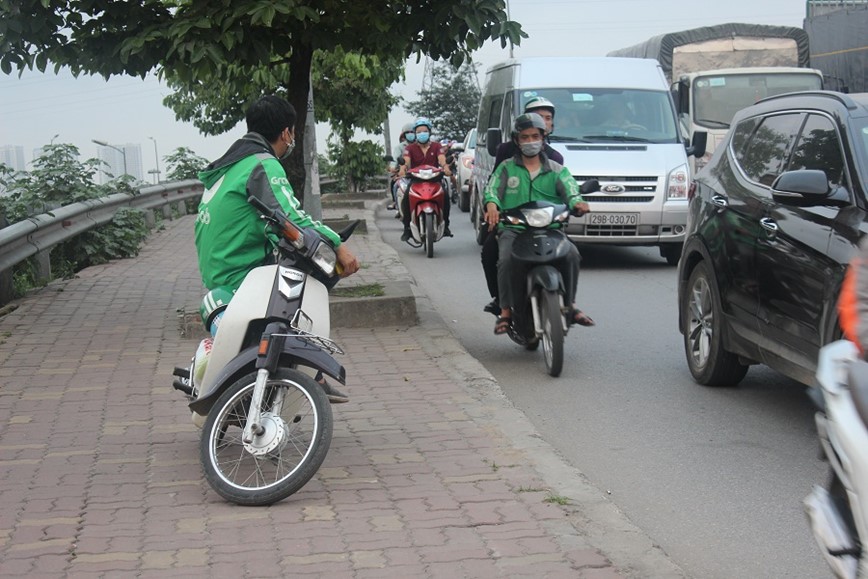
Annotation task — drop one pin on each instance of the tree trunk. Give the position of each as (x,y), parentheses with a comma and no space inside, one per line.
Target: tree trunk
(298,86)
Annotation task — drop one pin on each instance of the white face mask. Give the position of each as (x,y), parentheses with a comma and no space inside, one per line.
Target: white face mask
(290,146)
(531,149)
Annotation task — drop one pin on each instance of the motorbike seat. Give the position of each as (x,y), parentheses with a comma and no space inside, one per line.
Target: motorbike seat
(858,384)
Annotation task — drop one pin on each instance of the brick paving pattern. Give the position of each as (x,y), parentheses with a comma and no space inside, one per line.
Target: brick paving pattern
(99,467)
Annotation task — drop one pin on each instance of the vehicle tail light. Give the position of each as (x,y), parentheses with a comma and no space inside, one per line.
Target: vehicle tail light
(691,191)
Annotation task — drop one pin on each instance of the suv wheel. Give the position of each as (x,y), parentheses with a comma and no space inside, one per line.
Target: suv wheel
(709,363)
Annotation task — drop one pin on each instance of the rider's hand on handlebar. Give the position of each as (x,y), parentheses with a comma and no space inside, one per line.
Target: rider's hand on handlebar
(348,264)
(492,216)
(580,209)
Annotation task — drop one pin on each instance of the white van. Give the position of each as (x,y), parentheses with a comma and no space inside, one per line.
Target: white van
(615,121)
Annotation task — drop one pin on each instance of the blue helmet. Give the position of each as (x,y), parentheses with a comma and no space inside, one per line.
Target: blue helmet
(422,121)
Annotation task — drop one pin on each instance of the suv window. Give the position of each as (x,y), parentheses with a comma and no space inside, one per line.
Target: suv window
(819,147)
(763,159)
(740,138)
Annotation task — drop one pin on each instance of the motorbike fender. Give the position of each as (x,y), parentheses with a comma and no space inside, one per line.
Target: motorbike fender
(296,352)
(546,277)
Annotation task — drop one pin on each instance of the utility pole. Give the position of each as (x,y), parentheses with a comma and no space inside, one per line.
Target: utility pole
(312,202)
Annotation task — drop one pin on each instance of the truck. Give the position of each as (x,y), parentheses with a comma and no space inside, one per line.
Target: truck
(715,71)
(838,33)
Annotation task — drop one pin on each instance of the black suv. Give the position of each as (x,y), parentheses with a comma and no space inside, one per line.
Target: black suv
(773,220)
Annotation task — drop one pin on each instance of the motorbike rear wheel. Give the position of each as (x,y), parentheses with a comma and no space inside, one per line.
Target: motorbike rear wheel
(553,332)
(297,429)
(429,234)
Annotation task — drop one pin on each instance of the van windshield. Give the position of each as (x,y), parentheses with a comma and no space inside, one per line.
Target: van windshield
(607,115)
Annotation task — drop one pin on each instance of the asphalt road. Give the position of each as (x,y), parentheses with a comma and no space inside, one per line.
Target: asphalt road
(714,476)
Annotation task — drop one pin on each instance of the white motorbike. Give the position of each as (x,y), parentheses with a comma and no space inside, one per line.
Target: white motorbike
(266,423)
(838,510)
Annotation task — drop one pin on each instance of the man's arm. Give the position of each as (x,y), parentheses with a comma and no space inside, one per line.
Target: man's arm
(268,183)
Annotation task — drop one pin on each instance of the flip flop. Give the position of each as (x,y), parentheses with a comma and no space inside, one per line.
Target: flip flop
(582,319)
(501,326)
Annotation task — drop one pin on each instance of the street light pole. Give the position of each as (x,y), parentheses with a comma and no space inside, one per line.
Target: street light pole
(157,161)
(121,151)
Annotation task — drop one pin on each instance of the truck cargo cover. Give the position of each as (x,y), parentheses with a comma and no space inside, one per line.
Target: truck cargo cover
(661,47)
(839,48)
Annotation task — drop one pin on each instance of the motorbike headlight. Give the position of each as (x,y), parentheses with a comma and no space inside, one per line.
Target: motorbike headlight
(541,217)
(325,258)
(676,183)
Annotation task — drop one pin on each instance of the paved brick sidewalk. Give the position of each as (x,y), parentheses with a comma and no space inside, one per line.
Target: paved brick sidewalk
(99,470)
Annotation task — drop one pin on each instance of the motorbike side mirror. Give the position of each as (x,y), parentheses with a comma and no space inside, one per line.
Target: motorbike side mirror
(345,233)
(493,138)
(589,186)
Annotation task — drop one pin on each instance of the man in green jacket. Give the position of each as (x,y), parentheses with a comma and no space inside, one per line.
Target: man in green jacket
(231,239)
(530,176)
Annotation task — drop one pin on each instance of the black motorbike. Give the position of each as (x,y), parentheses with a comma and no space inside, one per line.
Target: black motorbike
(541,314)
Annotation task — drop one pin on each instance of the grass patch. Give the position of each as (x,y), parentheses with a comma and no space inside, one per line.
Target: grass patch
(557,499)
(372,290)
(523,489)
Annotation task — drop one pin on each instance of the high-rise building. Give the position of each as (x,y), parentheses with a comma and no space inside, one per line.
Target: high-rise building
(12,156)
(120,159)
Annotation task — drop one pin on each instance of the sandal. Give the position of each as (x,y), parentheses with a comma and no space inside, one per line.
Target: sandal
(501,326)
(581,318)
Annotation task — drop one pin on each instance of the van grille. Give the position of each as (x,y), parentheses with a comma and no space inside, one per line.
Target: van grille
(611,230)
(597,198)
(602,178)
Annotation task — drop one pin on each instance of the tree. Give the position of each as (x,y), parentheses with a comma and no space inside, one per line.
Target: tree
(452,100)
(211,44)
(183,164)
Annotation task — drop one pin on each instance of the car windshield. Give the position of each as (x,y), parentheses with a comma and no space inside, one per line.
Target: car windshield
(717,98)
(595,115)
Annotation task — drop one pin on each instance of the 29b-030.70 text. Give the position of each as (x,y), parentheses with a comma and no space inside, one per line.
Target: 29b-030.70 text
(613,218)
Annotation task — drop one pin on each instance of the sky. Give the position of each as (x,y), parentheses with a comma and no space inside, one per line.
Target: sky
(37,108)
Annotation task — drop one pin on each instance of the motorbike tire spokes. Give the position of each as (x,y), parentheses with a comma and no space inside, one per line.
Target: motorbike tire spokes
(553,332)
(296,429)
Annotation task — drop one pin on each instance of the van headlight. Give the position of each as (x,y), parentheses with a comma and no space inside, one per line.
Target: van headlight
(325,258)
(676,183)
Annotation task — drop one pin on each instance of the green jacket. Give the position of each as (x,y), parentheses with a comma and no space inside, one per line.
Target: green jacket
(231,239)
(510,185)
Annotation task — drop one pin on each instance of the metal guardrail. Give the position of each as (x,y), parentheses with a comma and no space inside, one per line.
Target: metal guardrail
(42,232)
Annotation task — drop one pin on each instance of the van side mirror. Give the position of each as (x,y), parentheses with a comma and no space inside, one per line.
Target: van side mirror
(698,145)
(493,138)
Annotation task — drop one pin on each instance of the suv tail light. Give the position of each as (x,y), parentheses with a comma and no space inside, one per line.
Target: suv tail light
(691,191)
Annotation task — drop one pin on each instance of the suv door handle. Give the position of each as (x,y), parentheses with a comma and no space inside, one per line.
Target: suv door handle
(769,224)
(720,201)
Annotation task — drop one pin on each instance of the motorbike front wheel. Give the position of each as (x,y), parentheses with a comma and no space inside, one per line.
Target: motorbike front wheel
(429,234)
(553,332)
(297,423)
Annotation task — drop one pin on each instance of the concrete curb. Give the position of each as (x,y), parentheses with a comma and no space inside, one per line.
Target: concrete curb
(396,308)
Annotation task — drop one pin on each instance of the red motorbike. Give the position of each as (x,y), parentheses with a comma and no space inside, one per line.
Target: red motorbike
(427,198)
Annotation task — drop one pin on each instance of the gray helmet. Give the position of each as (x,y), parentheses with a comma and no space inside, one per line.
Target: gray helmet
(528,121)
(408,128)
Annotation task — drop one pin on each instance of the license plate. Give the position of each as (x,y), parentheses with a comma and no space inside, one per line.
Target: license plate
(613,218)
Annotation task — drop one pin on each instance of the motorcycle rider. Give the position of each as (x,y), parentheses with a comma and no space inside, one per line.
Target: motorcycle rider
(507,150)
(530,176)
(423,152)
(407,136)
(853,300)
(230,237)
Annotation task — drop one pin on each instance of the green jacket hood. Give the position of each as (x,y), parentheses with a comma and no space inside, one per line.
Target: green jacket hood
(249,144)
